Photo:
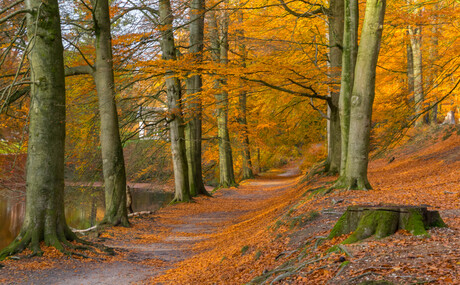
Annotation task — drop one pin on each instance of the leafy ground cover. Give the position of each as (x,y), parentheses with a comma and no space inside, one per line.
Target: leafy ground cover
(272,230)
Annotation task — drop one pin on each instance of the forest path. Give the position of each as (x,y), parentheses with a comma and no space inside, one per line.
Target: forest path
(158,242)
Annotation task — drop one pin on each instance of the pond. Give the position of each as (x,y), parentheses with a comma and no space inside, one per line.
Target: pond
(84,207)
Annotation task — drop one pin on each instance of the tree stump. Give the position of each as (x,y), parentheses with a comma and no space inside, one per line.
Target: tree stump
(382,221)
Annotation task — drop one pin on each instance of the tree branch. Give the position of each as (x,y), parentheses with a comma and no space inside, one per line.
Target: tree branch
(78,70)
(126,11)
(6,18)
(10,6)
(314,94)
(321,10)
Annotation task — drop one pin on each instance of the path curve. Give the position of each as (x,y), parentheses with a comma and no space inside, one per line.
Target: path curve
(182,233)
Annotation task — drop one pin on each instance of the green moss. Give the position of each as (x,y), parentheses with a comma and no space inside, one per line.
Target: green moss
(414,224)
(334,248)
(244,249)
(340,227)
(345,263)
(258,255)
(277,224)
(387,223)
(381,223)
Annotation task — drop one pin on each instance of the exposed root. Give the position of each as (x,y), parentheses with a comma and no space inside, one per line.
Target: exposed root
(350,183)
(61,240)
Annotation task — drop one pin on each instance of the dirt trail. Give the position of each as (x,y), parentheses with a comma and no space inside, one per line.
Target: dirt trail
(156,243)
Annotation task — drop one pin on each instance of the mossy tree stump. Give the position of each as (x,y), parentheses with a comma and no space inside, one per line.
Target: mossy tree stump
(382,221)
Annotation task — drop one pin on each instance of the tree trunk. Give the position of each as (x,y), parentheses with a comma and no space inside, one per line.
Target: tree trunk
(335,18)
(176,122)
(44,218)
(410,69)
(220,53)
(363,96)
(242,119)
(113,163)
(382,221)
(415,37)
(433,74)
(194,87)
(247,162)
(350,50)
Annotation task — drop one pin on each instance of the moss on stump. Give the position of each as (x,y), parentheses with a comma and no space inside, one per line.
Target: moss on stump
(382,221)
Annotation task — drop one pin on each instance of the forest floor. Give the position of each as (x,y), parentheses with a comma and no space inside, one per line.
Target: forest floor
(271,230)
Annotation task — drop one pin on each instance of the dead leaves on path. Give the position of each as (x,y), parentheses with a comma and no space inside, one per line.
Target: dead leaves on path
(427,176)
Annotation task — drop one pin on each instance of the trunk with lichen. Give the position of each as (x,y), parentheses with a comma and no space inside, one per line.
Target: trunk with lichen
(113,164)
(174,98)
(194,87)
(44,218)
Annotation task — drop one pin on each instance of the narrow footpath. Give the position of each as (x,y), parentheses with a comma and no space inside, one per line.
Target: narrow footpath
(160,241)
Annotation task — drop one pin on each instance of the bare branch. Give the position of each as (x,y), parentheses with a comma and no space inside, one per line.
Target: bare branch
(79,51)
(14,14)
(313,93)
(126,11)
(10,6)
(321,10)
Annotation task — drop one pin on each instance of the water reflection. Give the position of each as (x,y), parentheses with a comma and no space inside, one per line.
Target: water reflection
(84,208)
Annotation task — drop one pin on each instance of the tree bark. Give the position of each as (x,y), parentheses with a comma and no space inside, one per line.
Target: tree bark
(415,37)
(220,54)
(242,119)
(113,163)
(194,87)
(350,50)
(174,94)
(433,74)
(44,218)
(363,96)
(410,69)
(336,21)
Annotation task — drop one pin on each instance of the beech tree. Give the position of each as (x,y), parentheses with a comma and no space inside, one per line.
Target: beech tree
(219,46)
(113,164)
(335,16)
(350,49)
(415,39)
(175,106)
(242,118)
(194,87)
(362,98)
(44,218)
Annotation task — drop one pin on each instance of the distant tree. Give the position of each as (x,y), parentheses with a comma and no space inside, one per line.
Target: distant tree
(194,87)
(415,39)
(242,118)
(175,106)
(219,46)
(335,17)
